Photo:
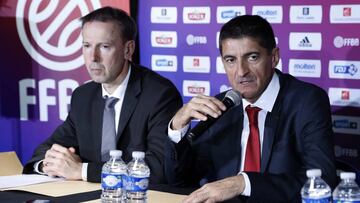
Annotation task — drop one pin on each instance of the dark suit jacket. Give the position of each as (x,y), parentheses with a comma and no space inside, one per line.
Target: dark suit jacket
(149,103)
(297,136)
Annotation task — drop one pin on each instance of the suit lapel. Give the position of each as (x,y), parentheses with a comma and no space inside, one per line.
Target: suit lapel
(272,124)
(97,117)
(130,99)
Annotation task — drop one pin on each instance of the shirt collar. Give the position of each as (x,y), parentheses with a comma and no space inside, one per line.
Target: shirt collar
(267,99)
(120,90)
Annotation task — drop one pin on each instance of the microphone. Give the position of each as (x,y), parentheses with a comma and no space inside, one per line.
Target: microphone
(232,98)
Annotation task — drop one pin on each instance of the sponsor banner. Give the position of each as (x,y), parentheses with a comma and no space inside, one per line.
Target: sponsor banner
(306,14)
(192,88)
(167,63)
(165,39)
(306,41)
(196,15)
(273,14)
(340,42)
(344,97)
(217,39)
(196,64)
(349,13)
(220,66)
(226,13)
(305,68)
(344,69)
(166,15)
(346,152)
(346,124)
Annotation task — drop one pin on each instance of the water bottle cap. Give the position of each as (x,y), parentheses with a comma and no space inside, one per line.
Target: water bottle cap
(117,153)
(347,175)
(313,173)
(138,154)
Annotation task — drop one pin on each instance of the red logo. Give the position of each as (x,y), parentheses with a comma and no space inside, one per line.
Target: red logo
(345,95)
(196,90)
(163,40)
(196,62)
(196,16)
(347,11)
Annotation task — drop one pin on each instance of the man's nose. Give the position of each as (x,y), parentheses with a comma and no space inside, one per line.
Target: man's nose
(95,55)
(242,69)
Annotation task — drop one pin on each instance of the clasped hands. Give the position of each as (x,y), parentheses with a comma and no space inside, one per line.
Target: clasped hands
(62,162)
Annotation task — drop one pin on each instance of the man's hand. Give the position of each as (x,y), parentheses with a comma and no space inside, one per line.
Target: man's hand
(218,191)
(197,108)
(63,162)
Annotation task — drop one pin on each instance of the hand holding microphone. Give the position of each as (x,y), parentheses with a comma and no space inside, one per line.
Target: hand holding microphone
(206,109)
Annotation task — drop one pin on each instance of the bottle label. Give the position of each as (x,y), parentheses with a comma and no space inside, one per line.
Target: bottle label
(135,184)
(111,181)
(322,200)
(346,201)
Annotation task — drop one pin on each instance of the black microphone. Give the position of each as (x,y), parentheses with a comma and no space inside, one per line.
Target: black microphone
(232,98)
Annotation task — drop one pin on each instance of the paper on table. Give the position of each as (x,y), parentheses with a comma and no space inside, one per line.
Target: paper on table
(60,188)
(7,182)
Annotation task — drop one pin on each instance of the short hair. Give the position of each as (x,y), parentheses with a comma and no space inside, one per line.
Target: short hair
(249,26)
(126,24)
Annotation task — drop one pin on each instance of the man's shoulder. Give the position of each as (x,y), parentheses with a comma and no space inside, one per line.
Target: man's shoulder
(294,84)
(87,88)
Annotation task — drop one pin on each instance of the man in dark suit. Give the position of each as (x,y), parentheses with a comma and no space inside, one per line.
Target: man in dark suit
(258,151)
(146,103)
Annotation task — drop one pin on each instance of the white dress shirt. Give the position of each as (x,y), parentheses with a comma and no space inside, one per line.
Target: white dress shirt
(118,93)
(266,103)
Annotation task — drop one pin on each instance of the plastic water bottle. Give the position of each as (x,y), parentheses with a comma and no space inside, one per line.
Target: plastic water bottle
(347,191)
(315,189)
(137,180)
(112,175)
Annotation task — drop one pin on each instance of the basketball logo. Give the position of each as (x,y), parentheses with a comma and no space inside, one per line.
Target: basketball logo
(50,31)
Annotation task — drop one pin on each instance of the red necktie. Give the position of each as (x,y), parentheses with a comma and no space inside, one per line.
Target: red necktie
(252,154)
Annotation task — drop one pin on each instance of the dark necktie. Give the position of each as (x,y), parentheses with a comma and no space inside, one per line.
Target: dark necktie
(252,154)
(108,141)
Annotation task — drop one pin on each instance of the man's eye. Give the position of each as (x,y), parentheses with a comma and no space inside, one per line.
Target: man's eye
(253,57)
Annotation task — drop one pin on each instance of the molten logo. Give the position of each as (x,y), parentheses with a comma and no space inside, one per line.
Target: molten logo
(50,31)
(163,40)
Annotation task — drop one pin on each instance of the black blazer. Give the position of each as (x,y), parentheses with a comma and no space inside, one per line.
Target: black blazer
(149,103)
(297,136)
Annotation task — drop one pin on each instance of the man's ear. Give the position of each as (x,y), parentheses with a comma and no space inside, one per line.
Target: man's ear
(129,49)
(275,57)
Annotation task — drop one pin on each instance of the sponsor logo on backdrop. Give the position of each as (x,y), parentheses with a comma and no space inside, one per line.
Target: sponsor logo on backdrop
(344,97)
(306,14)
(196,64)
(164,15)
(344,69)
(192,88)
(224,88)
(225,13)
(50,31)
(217,39)
(219,66)
(196,15)
(305,68)
(273,14)
(306,41)
(192,40)
(340,42)
(164,63)
(345,13)
(346,124)
(166,39)
(346,152)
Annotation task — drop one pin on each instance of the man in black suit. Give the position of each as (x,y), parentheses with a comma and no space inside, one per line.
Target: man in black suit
(146,103)
(258,151)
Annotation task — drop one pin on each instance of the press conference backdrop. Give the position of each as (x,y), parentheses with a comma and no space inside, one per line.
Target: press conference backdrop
(318,41)
(41,62)
(40,65)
